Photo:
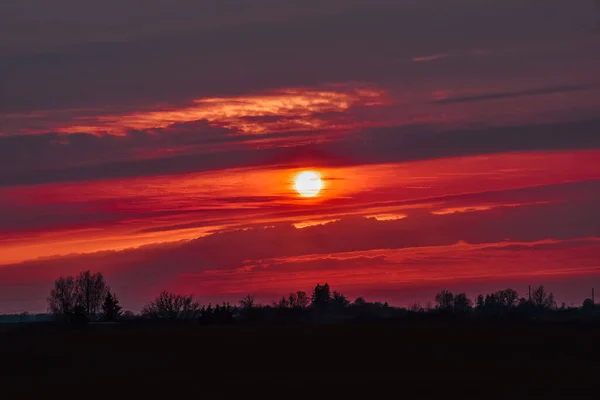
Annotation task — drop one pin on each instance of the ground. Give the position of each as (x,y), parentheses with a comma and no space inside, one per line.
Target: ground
(412,359)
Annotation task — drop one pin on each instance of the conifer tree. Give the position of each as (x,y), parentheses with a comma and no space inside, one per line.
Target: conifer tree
(111,309)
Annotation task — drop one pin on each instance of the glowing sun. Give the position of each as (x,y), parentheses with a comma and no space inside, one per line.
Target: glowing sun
(308,183)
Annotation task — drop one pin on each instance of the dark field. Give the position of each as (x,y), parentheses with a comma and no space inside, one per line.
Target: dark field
(407,360)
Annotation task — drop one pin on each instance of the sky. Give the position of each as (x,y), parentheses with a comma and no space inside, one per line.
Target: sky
(157,142)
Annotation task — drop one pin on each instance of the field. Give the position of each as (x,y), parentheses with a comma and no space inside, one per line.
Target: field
(405,360)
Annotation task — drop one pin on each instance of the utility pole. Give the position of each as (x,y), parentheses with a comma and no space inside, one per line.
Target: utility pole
(530,293)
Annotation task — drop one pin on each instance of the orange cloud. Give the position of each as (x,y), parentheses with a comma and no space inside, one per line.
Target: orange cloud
(281,110)
(485,207)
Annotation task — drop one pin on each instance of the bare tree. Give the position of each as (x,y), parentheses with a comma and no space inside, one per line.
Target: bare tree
(282,303)
(172,306)
(63,297)
(248,301)
(542,299)
(293,300)
(91,291)
(298,300)
(508,297)
(444,300)
(462,303)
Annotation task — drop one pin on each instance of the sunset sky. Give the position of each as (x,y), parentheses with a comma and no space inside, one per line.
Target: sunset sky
(158,141)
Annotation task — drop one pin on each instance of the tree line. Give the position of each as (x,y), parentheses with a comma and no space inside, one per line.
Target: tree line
(87,296)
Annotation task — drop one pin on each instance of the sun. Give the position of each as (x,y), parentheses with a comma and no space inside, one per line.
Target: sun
(308,183)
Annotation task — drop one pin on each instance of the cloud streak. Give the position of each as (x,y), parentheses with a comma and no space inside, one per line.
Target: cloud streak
(197,147)
(512,95)
(433,57)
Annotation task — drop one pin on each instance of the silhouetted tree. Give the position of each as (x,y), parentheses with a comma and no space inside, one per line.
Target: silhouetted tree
(298,300)
(542,299)
(206,314)
(462,303)
(169,306)
(223,314)
(339,301)
(91,291)
(588,304)
(508,297)
(321,296)
(444,300)
(128,315)
(248,301)
(282,303)
(416,307)
(523,302)
(491,301)
(220,314)
(360,301)
(63,297)
(480,302)
(249,310)
(111,309)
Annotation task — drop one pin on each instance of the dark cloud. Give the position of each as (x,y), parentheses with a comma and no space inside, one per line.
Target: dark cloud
(421,142)
(363,41)
(511,95)
(82,157)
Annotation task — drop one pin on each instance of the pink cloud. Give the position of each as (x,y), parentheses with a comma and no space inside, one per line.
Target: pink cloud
(432,57)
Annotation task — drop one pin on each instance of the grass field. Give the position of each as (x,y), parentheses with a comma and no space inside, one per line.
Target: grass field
(414,359)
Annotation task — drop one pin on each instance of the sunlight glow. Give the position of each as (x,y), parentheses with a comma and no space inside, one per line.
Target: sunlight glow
(308,183)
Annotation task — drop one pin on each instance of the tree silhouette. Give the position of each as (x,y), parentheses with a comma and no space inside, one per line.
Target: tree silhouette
(223,314)
(588,304)
(321,296)
(128,315)
(220,314)
(91,291)
(508,297)
(63,297)
(248,301)
(491,301)
(542,299)
(298,300)
(480,302)
(282,303)
(339,301)
(111,310)
(462,303)
(170,306)
(444,300)
(360,301)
